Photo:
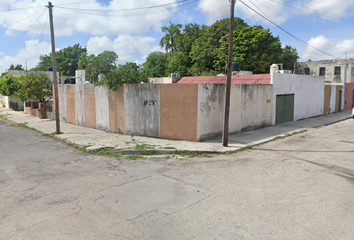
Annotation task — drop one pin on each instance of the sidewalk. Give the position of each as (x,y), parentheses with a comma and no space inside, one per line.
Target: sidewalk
(94,140)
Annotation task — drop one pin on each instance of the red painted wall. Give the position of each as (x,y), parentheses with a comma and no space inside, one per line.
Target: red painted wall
(348,96)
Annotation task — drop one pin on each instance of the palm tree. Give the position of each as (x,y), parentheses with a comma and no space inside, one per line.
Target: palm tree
(169,41)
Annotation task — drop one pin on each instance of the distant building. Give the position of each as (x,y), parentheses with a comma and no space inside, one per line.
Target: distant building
(334,71)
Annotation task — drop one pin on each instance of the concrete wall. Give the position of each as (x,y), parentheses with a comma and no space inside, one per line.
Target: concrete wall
(308,91)
(102,103)
(348,97)
(70,93)
(90,105)
(178,111)
(63,109)
(80,104)
(142,109)
(116,110)
(210,110)
(257,106)
(250,108)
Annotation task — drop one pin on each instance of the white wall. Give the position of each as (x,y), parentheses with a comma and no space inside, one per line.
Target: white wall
(210,110)
(333,99)
(79,104)
(308,91)
(102,107)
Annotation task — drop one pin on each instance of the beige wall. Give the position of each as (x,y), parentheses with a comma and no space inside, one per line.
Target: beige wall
(70,93)
(178,111)
(116,110)
(90,106)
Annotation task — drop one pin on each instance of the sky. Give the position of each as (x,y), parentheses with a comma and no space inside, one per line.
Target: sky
(318,29)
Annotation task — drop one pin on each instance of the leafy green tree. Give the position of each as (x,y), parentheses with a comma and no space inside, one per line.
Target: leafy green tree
(156,65)
(289,57)
(35,87)
(67,60)
(254,48)
(204,51)
(17,67)
(9,85)
(103,63)
(128,73)
(169,41)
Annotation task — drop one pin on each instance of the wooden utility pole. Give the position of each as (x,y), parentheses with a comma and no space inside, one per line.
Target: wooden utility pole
(225,138)
(55,81)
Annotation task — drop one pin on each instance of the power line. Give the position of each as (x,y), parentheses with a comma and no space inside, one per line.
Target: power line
(272,22)
(313,10)
(130,15)
(21,20)
(127,9)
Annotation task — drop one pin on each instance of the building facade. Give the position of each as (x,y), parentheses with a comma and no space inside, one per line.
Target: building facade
(334,71)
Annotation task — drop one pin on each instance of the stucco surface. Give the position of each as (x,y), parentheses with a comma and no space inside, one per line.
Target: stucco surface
(178,111)
(349,92)
(308,91)
(210,110)
(116,110)
(142,109)
(71,103)
(102,103)
(63,105)
(235,108)
(90,106)
(256,106)
(79,104)
(333,99)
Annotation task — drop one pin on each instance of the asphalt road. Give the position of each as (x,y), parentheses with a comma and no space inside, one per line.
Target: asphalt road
(300,187)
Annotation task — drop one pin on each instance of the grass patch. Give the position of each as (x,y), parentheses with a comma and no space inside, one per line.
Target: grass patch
(23,125)
(3,117)
(111,152)
(120,131)
(133,157)
(144,146)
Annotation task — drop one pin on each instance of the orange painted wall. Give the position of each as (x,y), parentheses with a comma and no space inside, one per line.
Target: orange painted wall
(327,99)
(90,108)
(70,96)
(179,111)
(348,96)
(116,110)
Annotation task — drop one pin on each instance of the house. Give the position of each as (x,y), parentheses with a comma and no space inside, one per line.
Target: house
(334,71)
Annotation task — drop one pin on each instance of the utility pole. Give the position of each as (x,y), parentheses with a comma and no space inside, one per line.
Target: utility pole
(55,81)
(225,138)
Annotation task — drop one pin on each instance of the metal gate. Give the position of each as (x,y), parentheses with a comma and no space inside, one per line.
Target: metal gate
(284,108)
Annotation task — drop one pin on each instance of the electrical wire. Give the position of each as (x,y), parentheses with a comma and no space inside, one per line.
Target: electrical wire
(21,20)
(313,10)
(130,15)
(127,9)
(292,35)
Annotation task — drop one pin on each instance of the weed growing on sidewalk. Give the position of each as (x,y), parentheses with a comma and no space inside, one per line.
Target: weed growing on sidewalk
(23,125)
(3,117)
(133,157)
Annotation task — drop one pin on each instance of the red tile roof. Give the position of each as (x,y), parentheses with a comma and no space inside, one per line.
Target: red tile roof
(235,79)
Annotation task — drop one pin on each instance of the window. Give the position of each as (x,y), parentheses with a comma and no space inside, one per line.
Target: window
(337,71)
(307,71)
(322,71)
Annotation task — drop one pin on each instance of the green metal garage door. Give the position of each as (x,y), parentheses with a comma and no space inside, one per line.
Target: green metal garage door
(284,108)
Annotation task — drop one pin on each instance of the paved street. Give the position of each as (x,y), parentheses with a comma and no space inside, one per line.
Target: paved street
(299,187)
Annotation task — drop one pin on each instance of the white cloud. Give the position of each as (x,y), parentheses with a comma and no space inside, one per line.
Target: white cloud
(336,49)
(329,8)
(30,54)
(129,48)
(91,18)
(216,9)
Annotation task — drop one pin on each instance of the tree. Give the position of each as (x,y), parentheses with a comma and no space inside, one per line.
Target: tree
(35,87)
(128,73)
(289,57)
(169,41)
(67,60)
(204,51)
(156,65)
(18,67)
(103,63)
(254,48)
(9,85)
